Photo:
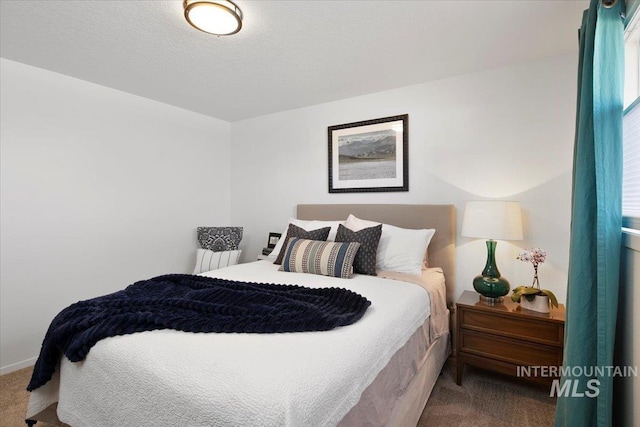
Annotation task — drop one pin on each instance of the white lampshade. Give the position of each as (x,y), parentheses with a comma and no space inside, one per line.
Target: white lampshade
(492,219)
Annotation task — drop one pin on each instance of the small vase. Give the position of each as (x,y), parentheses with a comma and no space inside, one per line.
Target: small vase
(540,303)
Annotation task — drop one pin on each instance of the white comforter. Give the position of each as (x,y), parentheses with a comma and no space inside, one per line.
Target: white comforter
(172,378)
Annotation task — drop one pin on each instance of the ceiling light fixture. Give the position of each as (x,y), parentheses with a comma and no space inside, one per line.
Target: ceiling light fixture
(218,17)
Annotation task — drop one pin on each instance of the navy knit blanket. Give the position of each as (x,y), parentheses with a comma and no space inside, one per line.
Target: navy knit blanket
(193,304)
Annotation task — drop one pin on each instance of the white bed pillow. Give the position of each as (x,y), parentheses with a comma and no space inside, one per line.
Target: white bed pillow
(308,225)
(207,260)
(400,249)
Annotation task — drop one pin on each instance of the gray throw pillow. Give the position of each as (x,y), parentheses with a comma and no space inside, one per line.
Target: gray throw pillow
(295,231)
(365,261)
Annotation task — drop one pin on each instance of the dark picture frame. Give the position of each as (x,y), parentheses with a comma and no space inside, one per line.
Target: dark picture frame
(369,156)
(273,239)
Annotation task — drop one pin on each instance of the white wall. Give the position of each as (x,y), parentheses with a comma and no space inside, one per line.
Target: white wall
(501,133)
(99,189)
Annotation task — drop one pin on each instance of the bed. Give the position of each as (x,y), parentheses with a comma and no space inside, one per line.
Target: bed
(377,371)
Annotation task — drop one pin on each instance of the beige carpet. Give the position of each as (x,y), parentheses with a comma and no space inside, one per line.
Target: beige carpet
(485,399)
(14,397)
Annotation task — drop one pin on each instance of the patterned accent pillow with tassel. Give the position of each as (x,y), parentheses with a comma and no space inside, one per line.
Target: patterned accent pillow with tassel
(319,257)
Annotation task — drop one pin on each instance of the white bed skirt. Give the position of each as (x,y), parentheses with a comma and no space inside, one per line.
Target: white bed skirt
(399,393)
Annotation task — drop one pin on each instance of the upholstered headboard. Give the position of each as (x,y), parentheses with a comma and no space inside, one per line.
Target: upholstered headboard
(442,218)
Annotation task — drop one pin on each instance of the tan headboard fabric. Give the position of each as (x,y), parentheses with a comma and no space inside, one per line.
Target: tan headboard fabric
(442,218)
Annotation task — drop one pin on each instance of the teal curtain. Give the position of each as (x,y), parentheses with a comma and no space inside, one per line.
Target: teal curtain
(596,218)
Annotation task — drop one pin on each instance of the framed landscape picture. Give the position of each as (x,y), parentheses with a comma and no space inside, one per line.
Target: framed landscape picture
(369,156)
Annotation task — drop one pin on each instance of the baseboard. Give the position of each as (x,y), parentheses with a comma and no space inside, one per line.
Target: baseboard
(17,366)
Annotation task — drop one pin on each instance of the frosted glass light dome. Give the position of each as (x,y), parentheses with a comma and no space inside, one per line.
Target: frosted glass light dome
(218,17)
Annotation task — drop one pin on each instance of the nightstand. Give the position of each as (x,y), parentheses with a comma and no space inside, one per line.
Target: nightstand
(503,336)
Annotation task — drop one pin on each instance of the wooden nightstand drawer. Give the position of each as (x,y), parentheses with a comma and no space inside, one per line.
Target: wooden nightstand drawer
(502,337)
(543,332)
(509,350)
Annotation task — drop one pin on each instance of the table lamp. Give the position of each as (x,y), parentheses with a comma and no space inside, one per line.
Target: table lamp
(492,219)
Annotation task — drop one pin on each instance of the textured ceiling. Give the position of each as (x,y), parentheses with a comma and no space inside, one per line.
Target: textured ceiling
(289,54)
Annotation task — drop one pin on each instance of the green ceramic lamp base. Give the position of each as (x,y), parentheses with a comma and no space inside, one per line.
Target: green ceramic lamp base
(490,284)
(492,288)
